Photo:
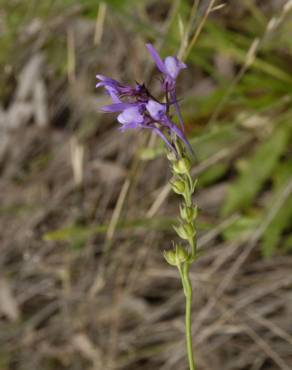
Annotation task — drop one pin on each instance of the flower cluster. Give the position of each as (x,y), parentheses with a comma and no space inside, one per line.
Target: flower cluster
(138,108)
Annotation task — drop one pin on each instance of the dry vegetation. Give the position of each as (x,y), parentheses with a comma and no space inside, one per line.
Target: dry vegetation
(85,212)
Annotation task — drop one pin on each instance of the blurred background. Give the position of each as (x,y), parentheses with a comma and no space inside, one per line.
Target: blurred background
(86,212)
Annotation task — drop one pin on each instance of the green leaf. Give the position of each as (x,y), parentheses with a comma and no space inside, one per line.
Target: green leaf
(283,218)
(213,174)
(273,234)
(288,244)
(241,228)
(82,232)
(257,171)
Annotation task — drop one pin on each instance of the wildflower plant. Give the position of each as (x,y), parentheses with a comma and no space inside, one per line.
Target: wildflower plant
(137,108)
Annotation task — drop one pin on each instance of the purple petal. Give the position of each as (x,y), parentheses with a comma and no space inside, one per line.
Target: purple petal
(129,126)
(160,133)
(117,107)
(173,66)
(164,138)
(131,115)
(179,133)
(177,108)
(106,79)
(110,82)
(101,77)
(113,90)
(113,94)
(159,62)
(155,109)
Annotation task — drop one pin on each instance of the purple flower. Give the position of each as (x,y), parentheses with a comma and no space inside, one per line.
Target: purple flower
(118,90)
(133,118)
(170,67)
(138,109)
(113,85)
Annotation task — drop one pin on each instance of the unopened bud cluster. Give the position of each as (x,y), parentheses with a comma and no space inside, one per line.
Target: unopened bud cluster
(183,185)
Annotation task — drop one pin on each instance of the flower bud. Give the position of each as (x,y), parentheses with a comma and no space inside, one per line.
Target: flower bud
(188,213)
(176,257)
(181,253)
(178,186)
(170,257)
(182,166)
(185,231)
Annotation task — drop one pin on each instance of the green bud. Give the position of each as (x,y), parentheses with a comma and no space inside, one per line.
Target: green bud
(188,213)
(178,186)
(181,254)
(170,257)
(176,257)
(185,231)
(182,166)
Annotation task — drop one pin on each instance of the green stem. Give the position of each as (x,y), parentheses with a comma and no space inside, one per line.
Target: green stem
(192,243)
(181,273)
(188,318)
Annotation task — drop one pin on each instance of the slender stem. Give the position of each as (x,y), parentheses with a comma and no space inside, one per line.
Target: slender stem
(188,319)
(192,243)
(181,273)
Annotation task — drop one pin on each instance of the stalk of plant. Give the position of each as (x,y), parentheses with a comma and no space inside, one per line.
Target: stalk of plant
(137,108)
(183,257)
